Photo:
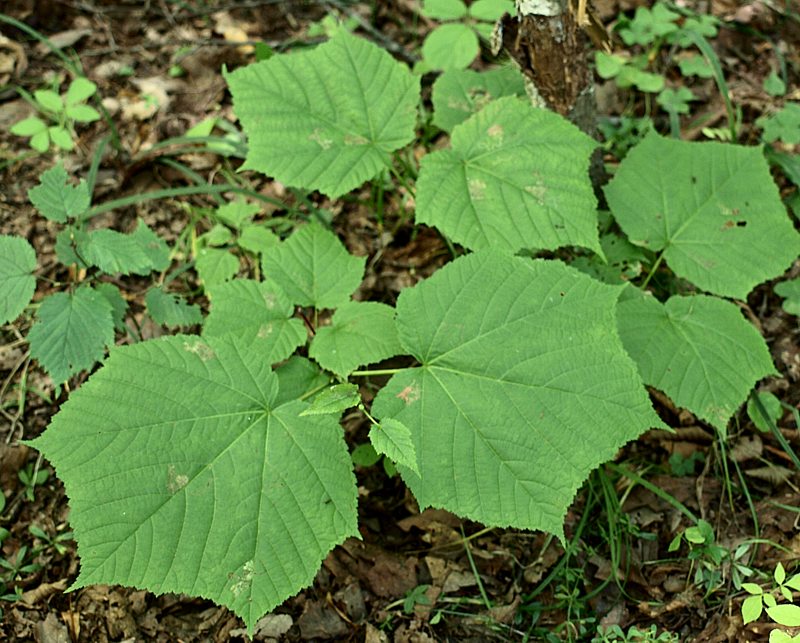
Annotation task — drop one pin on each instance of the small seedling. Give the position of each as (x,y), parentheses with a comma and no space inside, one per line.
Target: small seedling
(31,477)
(786,614)
(59,115)
(615,634)
(56,542)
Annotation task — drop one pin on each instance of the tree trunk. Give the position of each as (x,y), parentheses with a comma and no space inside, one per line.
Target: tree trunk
(548,41)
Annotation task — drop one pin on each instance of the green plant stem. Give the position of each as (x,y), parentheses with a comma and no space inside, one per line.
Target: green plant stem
(653,269)
(486,602)
(97,157)
(133,199)
(775,430)
(380,371)
(655,490)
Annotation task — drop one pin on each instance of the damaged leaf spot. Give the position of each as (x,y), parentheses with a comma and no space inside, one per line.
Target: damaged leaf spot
(201,349)
(319,139)
(477,189)
(175,481)
(409,394)
(355,139)
(243,579)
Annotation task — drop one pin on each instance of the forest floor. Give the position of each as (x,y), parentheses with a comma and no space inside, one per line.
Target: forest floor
(414,576)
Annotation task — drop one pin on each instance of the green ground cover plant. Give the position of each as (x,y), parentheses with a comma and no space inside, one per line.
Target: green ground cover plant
(214,464)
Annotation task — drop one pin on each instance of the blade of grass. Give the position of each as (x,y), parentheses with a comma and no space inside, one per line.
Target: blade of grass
(775,430)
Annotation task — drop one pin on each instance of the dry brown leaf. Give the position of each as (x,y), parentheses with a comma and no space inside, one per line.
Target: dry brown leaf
(773,473)
(748,448)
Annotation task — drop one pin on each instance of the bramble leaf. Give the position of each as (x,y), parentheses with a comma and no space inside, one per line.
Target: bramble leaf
(17,283)
(712,208)
(115,252)
(459,93)
(515,178)
(208,486)
(699,350)
(252,310)
(523,388)
(215,266)
(313,268)
(56,199)
(393,439)
(306,132)
(118,304)
(71,332)
(360,333)
(257,239)
(171,309)
(152,245)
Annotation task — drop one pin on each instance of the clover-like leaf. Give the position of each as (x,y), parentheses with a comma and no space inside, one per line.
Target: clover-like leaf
(790,290)
(449,46)
(252,310)
(712,209)
(444,9)
(306,132)
(786,615)
(516,177)
(459,93)
(699,350)
(71,332)
(523,388)
(313,268)
(171,309)
(360,333)
(185,476)
(17,283)
(56,199)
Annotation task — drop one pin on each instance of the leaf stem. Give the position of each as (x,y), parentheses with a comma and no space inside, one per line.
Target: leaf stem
(650,274)
(380,371)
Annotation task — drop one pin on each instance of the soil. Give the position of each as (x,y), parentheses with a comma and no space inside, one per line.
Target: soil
(471,583)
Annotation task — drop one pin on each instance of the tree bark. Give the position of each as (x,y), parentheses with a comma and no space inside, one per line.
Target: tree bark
(548,40)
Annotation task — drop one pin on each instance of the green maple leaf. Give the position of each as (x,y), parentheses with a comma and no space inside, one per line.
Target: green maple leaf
(712,209)
(210,485)
(515,178)
(523,388)
(306,132)
(699,350)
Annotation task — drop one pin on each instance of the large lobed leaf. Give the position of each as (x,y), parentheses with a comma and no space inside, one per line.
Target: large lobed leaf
(712,208)
(17,283)
(303,127)
(187,474)
(515,178)
(699,350)
(523,388)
